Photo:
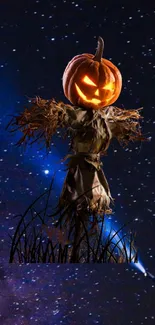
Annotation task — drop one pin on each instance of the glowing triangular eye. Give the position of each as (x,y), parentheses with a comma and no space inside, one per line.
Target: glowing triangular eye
(88,81)
(109,86)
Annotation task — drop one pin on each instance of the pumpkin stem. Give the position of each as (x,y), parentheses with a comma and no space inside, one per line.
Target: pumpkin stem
(99,51)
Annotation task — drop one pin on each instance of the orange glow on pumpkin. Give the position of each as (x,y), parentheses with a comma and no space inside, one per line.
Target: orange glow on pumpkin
(110,86)
(91,81)
(81,94)
(97,92)
(88,81)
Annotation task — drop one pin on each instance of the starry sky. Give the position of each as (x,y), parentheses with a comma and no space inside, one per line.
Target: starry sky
(37,39)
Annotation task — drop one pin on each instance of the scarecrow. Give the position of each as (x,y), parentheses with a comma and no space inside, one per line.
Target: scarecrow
(92,84)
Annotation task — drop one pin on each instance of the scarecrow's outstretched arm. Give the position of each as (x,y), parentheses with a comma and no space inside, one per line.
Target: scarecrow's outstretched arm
(41,120)
(124,124)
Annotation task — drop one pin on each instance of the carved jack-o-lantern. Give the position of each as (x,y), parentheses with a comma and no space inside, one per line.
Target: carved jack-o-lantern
(91,81)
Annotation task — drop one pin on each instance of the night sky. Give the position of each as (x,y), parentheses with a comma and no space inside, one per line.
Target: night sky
(37,39)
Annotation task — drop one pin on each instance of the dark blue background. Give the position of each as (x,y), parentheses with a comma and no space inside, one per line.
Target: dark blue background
(37,40)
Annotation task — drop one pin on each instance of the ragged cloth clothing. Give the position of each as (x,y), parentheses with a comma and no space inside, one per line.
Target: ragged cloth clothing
(91,133)
(86,183)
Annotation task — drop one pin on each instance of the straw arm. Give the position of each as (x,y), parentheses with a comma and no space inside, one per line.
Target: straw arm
(124,124)
(40,121)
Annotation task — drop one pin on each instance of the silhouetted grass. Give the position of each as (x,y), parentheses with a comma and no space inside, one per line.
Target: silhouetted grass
(67,237)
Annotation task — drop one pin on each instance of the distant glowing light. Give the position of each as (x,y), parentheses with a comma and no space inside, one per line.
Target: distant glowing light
(140,267)
(46,171)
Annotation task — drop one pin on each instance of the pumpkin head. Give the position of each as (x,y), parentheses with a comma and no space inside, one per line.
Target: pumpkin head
(91,81)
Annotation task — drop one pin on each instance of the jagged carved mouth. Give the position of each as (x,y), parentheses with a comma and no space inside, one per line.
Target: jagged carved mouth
(81,94)
(92,100)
